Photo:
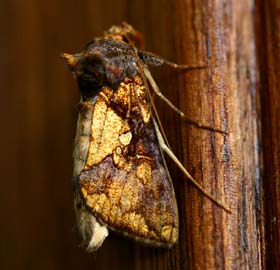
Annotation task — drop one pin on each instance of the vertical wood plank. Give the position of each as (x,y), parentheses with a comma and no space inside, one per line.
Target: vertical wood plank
(224,95)
(268,38)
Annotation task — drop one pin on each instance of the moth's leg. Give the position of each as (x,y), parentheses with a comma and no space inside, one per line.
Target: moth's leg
(173,107)
(151,59)
(168,151)
(158,119)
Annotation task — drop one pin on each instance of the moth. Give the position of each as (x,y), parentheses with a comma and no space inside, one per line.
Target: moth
(121,182)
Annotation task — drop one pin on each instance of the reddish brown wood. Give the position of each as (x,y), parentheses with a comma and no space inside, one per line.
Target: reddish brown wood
(268,38)
(224,96)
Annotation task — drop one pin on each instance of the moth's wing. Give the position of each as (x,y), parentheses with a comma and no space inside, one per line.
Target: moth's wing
(125,182)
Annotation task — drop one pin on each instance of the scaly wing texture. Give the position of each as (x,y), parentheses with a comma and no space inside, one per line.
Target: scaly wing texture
(125,182)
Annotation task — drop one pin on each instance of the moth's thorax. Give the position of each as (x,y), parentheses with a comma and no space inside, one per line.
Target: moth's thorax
(104,62)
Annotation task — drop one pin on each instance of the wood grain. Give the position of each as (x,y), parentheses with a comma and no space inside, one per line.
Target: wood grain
(224,95)
(268,40)
(238,91)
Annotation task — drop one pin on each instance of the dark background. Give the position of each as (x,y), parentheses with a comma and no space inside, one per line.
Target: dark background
(38,119)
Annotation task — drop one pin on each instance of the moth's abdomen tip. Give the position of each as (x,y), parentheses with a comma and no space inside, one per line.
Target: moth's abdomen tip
(71,59)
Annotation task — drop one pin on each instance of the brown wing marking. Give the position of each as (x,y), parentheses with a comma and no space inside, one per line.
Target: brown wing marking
(125,182)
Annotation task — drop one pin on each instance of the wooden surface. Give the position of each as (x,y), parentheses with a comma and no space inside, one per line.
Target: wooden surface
(268,38)
(238,91)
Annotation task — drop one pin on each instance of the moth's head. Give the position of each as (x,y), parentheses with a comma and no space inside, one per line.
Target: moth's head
(88,71)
